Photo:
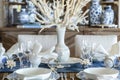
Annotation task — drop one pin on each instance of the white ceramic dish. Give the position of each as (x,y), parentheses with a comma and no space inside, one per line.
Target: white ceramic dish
(14,76)
(33,73)
(93,73)
(71,60)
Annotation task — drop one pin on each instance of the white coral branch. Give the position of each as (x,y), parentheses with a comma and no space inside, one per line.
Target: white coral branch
(61,12)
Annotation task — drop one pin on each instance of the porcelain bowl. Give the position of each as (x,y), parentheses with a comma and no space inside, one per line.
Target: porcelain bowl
(93,73)
(33,73)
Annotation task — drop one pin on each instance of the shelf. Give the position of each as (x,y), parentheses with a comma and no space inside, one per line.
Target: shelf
(108,26)
(16,3)
(109,2)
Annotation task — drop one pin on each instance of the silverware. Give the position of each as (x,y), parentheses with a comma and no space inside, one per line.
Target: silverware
(61,76)
(65,76)
(72,76)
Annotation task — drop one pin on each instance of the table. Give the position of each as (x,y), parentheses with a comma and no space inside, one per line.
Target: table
(70,70)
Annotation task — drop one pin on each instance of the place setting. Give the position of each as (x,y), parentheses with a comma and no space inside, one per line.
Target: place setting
(43,64)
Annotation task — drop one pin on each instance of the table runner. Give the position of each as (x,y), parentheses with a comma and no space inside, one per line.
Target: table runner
(76,67)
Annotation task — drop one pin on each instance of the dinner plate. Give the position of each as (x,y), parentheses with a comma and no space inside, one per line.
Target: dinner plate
(78,76)
(31,73)
(14,76)
(71,60)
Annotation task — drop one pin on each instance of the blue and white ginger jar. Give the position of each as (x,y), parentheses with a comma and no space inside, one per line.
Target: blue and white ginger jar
(95,13)
(23,16)
(107,15)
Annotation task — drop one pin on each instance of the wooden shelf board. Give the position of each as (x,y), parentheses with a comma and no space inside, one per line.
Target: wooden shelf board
(108,2)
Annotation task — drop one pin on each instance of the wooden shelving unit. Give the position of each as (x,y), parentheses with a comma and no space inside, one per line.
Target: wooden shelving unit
(107,2)
(115,3)
(15,3)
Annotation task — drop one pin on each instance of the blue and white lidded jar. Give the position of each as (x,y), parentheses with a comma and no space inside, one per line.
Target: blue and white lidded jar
(23,16)
(107,15)
(95,13)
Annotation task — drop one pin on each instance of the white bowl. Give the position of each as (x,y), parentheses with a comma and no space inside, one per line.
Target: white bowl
(93,73)
(33,73)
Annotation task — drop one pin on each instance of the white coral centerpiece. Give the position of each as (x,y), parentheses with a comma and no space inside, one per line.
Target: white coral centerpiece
(64,14)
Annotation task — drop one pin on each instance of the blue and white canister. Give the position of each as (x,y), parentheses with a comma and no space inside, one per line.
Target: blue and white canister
(107,15)
(23,16)
(95,13)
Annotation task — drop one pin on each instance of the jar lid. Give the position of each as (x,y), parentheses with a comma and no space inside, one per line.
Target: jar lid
(107,7)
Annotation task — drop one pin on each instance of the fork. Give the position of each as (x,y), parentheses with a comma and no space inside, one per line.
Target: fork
(65,76)
(72,76)
(61,75)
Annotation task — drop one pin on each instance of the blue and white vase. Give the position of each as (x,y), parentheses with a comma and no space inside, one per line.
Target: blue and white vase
(107,15)
(95,13)
(23,16)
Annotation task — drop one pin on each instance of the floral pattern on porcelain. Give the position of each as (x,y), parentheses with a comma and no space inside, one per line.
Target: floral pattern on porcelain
(95,12)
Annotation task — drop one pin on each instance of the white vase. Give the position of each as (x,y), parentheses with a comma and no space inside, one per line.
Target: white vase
(61,49)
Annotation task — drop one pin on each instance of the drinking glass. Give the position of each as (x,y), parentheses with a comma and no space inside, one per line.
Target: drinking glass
(21,53)
(20,56)
(86,50)
(86,54)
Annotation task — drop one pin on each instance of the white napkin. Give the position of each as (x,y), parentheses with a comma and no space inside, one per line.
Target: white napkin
(115,49)
(12,50)
(35,60)
(2,50)
(37,47)
(48,54)
(99,52)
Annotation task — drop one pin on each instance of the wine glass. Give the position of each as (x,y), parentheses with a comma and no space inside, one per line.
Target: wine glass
(20,56)
(86,54)
(85,50)
(20,53)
